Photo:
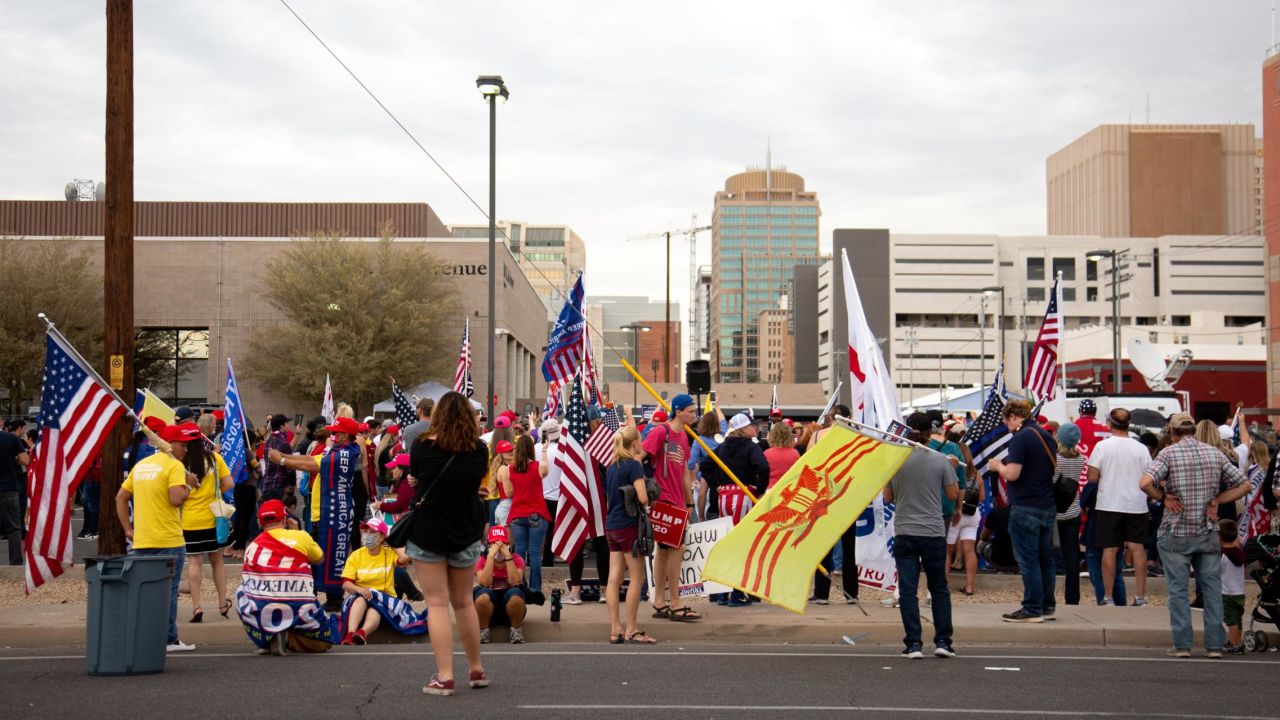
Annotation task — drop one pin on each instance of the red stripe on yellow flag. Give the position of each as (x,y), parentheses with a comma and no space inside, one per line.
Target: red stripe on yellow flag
(773,552)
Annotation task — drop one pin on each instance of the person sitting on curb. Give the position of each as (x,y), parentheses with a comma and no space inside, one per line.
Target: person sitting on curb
(368,578)
(277,573)
(499,596)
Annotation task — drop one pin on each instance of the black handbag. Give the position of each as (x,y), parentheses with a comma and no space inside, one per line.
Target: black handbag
(398,536)
(969,505)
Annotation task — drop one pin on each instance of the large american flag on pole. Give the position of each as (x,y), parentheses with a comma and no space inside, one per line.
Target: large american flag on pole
(580,514)
(987,436)
(600,443)
(77,411)
(462,377)
(1042,367)
(566,344)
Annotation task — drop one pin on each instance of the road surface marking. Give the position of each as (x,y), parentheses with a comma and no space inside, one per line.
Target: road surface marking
(863,708)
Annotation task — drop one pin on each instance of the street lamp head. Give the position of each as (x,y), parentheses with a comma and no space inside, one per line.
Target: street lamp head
(989,291)
(1099,254)
(492,85)
(644,328)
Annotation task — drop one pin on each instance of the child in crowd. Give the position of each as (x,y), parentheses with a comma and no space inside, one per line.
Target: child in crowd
(1232,574)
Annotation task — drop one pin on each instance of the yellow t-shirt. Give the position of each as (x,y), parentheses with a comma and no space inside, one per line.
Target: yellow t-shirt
(156,522)
(299,540)
(196,514)
(374,572)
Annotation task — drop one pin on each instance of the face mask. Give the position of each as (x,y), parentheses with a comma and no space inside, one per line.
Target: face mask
(369,541)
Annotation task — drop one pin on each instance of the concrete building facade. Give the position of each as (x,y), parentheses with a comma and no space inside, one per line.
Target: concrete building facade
(1155,180)
(1173,289)
(640,348)
(1271,215)
(764,224)
(215,311)
(551,256)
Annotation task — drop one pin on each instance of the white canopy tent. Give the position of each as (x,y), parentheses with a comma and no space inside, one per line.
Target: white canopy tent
(433,390)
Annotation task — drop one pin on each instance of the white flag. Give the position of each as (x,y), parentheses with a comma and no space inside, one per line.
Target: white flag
(326,408)
(874,400)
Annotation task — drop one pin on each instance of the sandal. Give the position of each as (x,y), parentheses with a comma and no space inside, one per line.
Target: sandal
(684,614)
(224,608)
(639,637)
(662,613)
(616,638)
(197,616)
(966,591)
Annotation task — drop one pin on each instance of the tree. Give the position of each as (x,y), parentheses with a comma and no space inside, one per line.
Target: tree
(54,278)
(359,312)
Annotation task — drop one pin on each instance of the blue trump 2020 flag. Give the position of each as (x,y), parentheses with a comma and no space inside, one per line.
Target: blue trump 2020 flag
(564,349)
(234,451)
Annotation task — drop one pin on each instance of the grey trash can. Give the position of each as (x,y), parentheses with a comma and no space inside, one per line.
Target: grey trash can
(128,616)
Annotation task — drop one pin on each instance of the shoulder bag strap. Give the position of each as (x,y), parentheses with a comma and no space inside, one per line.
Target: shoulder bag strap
(1053,460)
(435,482)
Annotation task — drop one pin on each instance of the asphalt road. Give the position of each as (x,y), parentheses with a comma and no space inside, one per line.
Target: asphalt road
(680,681)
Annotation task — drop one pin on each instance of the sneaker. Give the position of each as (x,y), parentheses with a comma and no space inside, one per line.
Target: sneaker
(1049,614)
(1138,601)
(479,679)
(819,601)
(1233,649)
(1177,653)
(572,600)
(1213,654)
(279,645)
(944,651)
(851,601)
(1022,616)
(439,687)
(889,602)
(1197,603)
(915,652)
(1106,601)
(517,636)
(178,647)
(485,636)
(348,639)
(360,637)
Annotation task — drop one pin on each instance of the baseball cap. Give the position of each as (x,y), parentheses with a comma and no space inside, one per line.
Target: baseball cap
(183,432)
(271,511)
(182,412)
(549,430)
(1182,421)
(401,460)
(498,533)
(377,525)
(393,428)
(739,421)
(344,425)
(504,446)
(1088,407)
(502,421)
(659,416)
(681,402)
(1226,432)
(153,423)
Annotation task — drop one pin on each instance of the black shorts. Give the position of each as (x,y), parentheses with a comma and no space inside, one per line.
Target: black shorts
(1114,529)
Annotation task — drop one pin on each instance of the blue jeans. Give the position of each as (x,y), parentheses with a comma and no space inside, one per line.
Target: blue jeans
(180,558)
(1179,554)
(1093,558)
(910,554)
(1031,531)
(527,534)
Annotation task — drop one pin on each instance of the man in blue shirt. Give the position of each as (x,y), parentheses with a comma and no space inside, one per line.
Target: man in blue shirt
(1028,468)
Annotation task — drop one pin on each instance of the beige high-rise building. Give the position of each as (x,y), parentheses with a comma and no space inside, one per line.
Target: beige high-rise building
(775,346)
(551,256)
(765,223)
(1154,180)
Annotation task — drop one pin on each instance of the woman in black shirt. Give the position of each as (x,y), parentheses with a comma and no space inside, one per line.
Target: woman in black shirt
(449,463)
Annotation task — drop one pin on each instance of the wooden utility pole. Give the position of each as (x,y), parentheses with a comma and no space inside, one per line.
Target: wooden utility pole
(117,233)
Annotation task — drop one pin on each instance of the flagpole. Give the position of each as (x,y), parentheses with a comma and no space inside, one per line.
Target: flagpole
(858,427)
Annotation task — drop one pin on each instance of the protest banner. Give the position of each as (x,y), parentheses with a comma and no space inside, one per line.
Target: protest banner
(669,522)
(699,540)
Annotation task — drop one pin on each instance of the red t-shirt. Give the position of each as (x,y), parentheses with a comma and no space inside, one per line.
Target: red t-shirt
(1092,432)
(526,493)
(669,452)
(500,581)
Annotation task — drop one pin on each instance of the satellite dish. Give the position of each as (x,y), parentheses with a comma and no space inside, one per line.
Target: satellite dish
(100,193)
(70,191)
(1149,361)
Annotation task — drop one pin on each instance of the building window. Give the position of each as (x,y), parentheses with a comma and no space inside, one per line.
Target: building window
(1035,269)
(1068,294)
(1091,270)
(1180,320)
(544,236)
(1091,294)
(1035,294)
(175,363)
(1066,266)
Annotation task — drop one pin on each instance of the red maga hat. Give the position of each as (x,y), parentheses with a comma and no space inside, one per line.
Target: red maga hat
(344,425)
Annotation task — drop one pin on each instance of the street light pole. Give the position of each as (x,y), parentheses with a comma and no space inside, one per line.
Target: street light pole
(982,342)
(636,329)
(491,87)
(1117,382)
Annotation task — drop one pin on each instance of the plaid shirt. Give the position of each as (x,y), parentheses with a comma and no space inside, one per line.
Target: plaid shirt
(1196,473)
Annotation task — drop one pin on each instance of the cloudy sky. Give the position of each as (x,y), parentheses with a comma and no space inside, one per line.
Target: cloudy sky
(624,118)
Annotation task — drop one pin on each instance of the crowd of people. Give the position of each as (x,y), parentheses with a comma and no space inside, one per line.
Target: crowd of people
(477,505)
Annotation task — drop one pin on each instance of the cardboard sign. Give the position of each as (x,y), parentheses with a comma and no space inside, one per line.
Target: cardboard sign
(668,522)
(699,540)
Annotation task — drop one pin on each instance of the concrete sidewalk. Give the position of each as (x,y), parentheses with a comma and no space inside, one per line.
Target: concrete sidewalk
(976,624)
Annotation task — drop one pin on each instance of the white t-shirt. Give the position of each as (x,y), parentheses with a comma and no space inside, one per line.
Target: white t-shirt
(1120,463)
(1232,577)
(550,483)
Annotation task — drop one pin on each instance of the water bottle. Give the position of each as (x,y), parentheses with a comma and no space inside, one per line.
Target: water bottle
(555,605)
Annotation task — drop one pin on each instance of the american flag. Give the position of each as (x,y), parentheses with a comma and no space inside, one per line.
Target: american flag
(564,348)
(551,408)
(1042,368)
(774,407)
(589,368)
(612,417)
(988,438)
(600,444)
(462,378)
(77,411)
(580,514)
(405,414)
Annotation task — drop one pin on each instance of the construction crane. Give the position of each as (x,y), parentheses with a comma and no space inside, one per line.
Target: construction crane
(691,234)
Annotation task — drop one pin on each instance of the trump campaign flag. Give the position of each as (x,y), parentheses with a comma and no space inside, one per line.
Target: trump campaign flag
(234,449)
(773,551)
(566,344)
(77,411)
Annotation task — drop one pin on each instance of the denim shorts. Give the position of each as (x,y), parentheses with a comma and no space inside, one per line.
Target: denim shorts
(462,559)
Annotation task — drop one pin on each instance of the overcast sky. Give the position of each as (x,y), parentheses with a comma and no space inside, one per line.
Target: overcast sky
(624,119)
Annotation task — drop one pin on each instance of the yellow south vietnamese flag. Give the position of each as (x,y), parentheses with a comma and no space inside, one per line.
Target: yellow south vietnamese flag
(773,552)
(152,406)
